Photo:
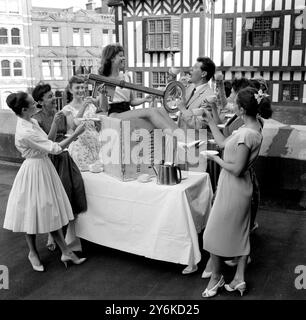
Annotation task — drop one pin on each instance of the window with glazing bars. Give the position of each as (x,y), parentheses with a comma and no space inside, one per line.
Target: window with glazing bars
(159,79)
(297,40)
(262,32)
(229,33)
(3,36)
(17,68)
(15,33)
(159,34)
(5,68)
(291,92)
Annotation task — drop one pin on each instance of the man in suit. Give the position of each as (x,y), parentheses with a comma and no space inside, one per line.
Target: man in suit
(197,94)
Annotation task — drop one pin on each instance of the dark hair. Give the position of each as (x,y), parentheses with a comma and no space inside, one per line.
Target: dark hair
(75,79)
(239,84)
(108,53)
(246,100)
(254,83)
(17,101)
(227,88)
(265,109)
(39,91)
(208,66)
(69,95)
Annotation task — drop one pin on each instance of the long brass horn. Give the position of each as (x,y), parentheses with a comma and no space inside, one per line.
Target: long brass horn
(174,91)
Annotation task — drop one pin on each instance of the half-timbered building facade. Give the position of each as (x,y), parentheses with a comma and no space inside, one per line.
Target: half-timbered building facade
(244,37)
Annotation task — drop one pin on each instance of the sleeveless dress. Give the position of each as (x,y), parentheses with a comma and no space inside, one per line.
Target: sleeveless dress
(227,230)
(37,202)
(66,168)
(122,98)
(85,150)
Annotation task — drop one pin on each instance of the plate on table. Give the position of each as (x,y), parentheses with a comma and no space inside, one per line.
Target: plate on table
(211,152)
(84,168)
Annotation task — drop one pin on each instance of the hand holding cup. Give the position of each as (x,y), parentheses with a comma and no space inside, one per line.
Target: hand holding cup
(58,117)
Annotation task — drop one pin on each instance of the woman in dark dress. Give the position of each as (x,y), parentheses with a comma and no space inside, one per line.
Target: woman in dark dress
(65,166)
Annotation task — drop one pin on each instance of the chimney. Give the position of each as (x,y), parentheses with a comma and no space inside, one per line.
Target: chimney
(90,5)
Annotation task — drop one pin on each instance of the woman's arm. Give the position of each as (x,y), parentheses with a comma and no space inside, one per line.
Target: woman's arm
(79,130)
(215,113)
(138,101)
(218,136)
(56,120)
(103,103)
(238,166)
(39,142)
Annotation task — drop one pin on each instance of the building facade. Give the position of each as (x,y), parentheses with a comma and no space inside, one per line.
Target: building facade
(68,43)
(244,38)
(16,50)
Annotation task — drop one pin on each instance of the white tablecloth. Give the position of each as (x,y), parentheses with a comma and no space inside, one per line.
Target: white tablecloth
(158,222)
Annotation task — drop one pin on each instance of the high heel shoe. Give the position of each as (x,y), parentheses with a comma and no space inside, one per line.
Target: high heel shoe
(190,269)
(241,287)
(206,274)
(39,268)
(71,258)
(213,291)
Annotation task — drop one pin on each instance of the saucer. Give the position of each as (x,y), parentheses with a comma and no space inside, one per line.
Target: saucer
(221,126)
(211,152)
(144,178)
(88,119)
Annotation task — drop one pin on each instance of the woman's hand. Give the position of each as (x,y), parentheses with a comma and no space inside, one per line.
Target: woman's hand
(212,157)
(89,100)
(58,117)
(210,103)
(102,89)
(207,117)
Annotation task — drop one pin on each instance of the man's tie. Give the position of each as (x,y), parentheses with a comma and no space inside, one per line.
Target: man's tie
(192,93)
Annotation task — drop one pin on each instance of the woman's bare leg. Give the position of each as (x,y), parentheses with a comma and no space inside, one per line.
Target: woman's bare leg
(59,239)
(159,120)
(33,254)
(216,271)
(239,276)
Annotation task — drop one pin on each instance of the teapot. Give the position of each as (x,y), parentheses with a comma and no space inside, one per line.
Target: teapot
(168,174)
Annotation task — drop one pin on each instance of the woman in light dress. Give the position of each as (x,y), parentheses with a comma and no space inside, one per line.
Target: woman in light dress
(85,150)
(228,226)
(38,202)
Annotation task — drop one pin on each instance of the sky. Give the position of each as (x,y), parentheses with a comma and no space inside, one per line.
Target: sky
(62,3)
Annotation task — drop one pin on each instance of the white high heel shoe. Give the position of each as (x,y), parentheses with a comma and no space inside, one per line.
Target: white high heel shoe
(39,268)
(213,291)
(241,287)
(71,258)
(206,275)
(190,269)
